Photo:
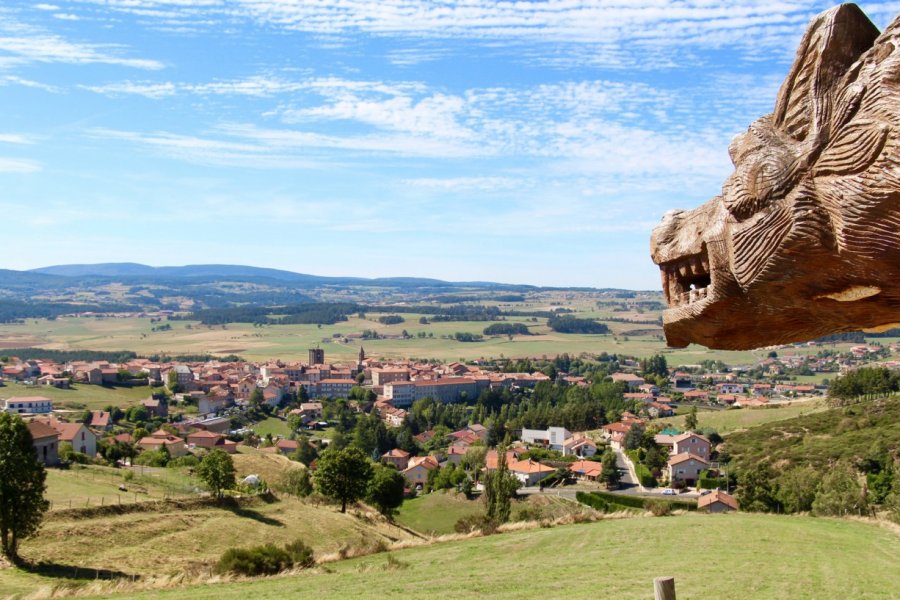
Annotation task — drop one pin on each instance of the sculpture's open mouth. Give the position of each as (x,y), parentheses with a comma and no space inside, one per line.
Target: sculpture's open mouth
(687,279)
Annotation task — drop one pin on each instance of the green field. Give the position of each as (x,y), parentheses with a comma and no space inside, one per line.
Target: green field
(725,421)
(291,342)
(742,556)
(274,425)
(80,397)
(438,512)
(92,485)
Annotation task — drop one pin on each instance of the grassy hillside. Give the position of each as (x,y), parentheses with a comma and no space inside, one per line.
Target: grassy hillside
(177,538)
(725,421)
(821,437)
(729,556)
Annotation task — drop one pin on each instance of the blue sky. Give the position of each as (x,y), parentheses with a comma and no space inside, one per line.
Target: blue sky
(520,142)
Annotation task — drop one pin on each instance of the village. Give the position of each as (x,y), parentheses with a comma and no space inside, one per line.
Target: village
(192,408)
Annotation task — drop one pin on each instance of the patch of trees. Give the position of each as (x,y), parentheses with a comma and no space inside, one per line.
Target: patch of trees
(507,329)
(323,313)
(465,336)
(62,356)
(570,324)
(866,382)
(391,319)
(501,410)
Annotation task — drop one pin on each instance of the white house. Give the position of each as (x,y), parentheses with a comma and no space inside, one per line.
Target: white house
(32,405)
(552,437)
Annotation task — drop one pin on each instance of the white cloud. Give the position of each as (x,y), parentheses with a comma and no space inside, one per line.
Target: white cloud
(14,80)
(614,32)
(66,17)
(18,165)
(29,44)
(149,90)
(15,138)
(46,7)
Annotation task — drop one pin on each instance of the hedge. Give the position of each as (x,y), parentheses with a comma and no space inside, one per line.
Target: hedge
(640,502)
(592,501)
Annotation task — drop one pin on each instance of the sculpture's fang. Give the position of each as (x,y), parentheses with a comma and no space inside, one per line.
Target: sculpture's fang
(687,279)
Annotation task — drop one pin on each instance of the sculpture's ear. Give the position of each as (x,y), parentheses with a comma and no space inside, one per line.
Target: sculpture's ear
(833,41)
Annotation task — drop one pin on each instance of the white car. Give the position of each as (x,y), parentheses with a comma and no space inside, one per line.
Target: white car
(668,492)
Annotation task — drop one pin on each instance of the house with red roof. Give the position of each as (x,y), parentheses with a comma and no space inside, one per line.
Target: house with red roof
(717,502)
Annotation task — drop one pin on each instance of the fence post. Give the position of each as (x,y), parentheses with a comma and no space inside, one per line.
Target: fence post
(664,588)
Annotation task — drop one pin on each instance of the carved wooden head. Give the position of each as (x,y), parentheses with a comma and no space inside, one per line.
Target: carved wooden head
(804,239)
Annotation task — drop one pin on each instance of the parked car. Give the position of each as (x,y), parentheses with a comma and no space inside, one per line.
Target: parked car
(668,492)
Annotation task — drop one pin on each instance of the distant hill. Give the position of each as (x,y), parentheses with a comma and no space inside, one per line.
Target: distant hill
(138,271)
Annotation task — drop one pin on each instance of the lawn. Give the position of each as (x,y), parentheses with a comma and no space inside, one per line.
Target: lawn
(273,425)
(80,397)
(745,556)
(92,485)
(438,512)
(725,421)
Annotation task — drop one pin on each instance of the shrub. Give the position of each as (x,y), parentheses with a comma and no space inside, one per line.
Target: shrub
(261,560)
(659,508)
(301,554)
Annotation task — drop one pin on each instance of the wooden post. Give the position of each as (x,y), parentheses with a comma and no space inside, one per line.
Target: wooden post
(664,588)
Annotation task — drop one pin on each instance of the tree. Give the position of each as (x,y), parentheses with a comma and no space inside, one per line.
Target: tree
(499,488)
(635,436)
(609,474)
(797,489)
(343,475)
(22,486)
(385,489)
(690,420)
(757,489)
(216,470)
(305,453)
(297,482)
(839,492)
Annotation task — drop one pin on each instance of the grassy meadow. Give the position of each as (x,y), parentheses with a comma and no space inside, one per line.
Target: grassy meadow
(726,421)
(743,556)
(291,342)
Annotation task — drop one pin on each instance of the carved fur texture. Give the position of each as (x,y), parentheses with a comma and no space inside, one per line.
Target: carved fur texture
(804,240)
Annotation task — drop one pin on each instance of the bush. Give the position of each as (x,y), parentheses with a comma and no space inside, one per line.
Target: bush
(659,508)
(265,560)
(301,554)
(261,560)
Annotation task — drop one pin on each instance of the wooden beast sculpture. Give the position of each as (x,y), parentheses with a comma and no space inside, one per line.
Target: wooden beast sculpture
(804,240)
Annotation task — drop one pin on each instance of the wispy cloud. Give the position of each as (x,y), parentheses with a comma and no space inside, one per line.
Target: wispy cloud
(615,32)
(29,44)
(15,138)
(18,165)
(15,80)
